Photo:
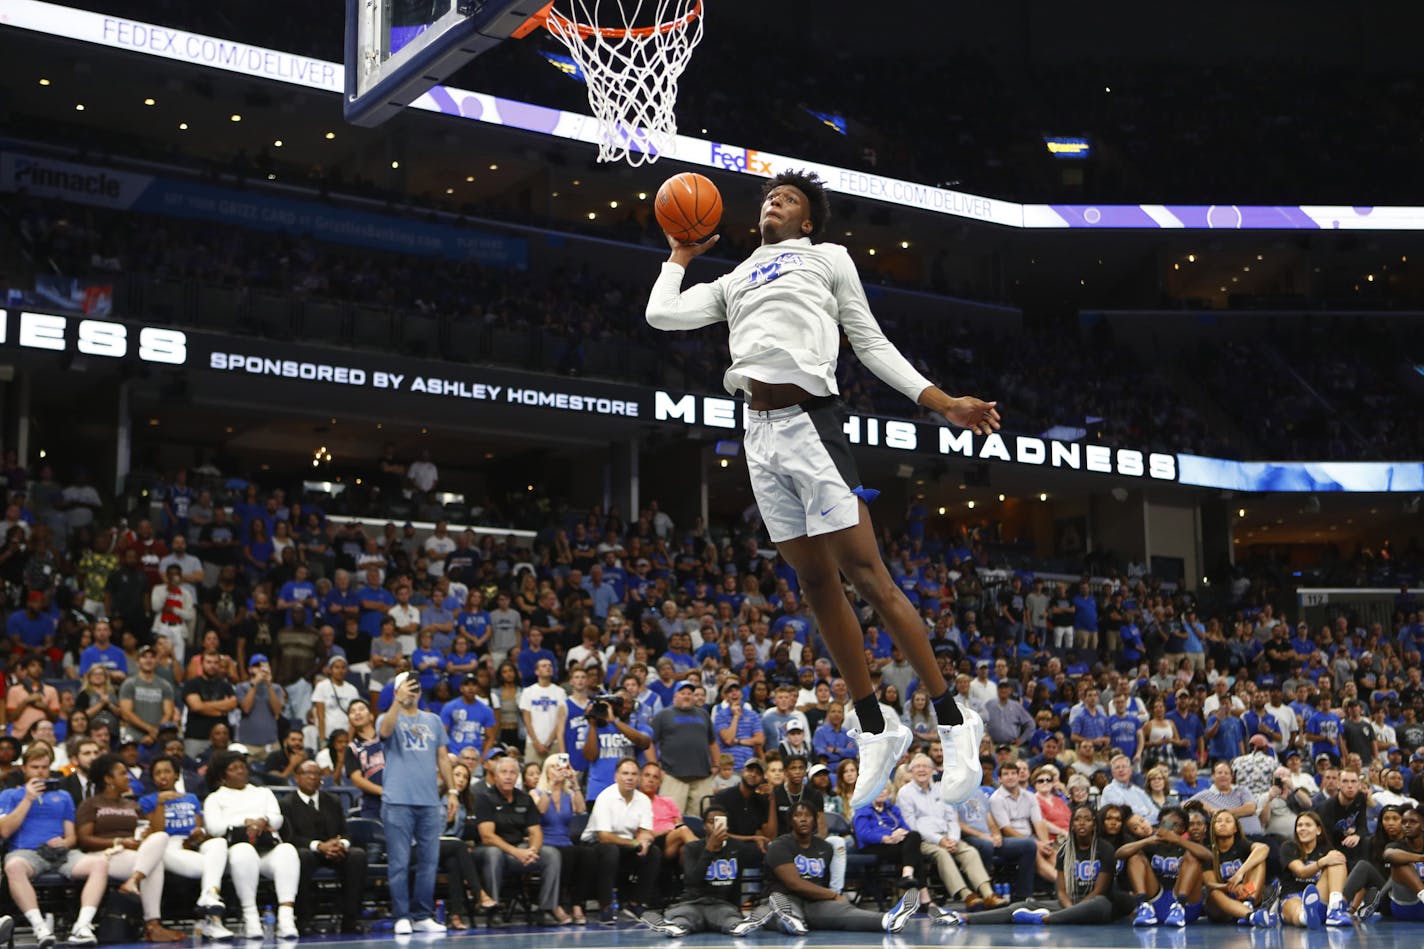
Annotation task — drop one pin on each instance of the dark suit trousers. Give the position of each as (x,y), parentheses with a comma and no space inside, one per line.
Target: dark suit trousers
(352,874)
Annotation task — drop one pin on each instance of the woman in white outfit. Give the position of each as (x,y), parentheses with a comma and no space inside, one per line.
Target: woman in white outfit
(191,852)
(248,817)
(106,824)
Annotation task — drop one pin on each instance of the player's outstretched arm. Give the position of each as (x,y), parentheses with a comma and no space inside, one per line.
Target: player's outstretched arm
(672,308)
(965,411)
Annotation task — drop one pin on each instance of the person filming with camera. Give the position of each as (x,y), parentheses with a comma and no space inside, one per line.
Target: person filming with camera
(611,738)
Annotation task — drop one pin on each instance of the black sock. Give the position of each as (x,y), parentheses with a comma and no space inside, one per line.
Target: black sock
(867,710)
(947,709)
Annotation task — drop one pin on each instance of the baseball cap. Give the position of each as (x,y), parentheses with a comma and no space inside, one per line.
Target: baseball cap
(237,748)
(35,596)
(795,725)
(1394,750)
(755,763)
(256,658)
(684,684)
(1260,741)
(1292,753)
(817,769)
(146,649)
(1323,756)
(1417,756)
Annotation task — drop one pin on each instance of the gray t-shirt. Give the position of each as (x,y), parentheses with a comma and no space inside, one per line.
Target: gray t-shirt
(147,698)
(682,738)
(259,727)
(389,651)
(412,773)
(504,625)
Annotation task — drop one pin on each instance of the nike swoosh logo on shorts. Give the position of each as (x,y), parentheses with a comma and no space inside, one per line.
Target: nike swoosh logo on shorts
(829,509)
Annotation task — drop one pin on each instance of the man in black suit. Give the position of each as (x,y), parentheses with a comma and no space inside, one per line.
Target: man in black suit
(315,823)
(77,783)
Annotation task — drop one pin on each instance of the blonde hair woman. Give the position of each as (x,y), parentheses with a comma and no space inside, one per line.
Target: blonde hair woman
(558,799)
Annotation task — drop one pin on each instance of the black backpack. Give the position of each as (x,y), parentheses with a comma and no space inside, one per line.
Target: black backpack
(120,919)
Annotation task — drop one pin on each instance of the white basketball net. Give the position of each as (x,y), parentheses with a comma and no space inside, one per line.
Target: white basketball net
(631,68)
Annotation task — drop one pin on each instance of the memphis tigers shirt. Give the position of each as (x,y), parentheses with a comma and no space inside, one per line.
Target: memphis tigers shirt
(1082,876)
(1166,863)
(1229,861)
(708,875)
(813,863)
(785,307)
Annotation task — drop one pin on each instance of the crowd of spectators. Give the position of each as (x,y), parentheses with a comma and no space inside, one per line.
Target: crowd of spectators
(1070,381)
(636,672)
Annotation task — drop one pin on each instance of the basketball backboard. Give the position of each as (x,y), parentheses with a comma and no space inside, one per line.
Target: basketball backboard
(397,49)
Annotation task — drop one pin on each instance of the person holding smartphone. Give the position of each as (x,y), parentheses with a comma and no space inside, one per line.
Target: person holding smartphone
(712,888)
(416,754)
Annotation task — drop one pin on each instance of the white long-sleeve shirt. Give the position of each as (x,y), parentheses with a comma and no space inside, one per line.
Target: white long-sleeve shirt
(927,813)
(784,307)
(226,808)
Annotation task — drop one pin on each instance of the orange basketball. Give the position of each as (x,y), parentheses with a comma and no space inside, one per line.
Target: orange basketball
(688,207)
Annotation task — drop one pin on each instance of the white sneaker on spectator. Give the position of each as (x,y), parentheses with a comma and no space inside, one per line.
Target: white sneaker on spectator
(402,927)
(428,925)
(962,771)
(44,938)
(83,935)
(213,928)
(252,927)
(879,754)
(211,901)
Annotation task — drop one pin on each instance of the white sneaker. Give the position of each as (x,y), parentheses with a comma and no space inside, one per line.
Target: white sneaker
(287,930)
(878,756)
(252,927)
(44,938)
(211,902)
(402,927)
(214,929)
(83,935)
(428,925)
(962,771)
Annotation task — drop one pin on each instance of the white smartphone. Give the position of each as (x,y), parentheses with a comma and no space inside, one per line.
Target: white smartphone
(719,822)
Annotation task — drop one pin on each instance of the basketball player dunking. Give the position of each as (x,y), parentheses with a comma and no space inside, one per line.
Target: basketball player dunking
(785,306)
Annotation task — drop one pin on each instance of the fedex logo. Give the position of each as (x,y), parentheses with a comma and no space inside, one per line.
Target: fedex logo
(740,159)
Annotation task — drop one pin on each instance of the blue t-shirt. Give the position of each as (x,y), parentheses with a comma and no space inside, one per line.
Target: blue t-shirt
(181,815)
(529,658)
(467,724)
(110,657)
(575,734)
(412,766)
(798,623)
(45,820)
(336,598)
(1229,739)
(1085,613)
(1122,732)
(613,746)
(1132,646)
(1327,724)
(429,675)
(295,591)
(371,619)
(30,632)
(475,624)
(1088,725)
(1254,722)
